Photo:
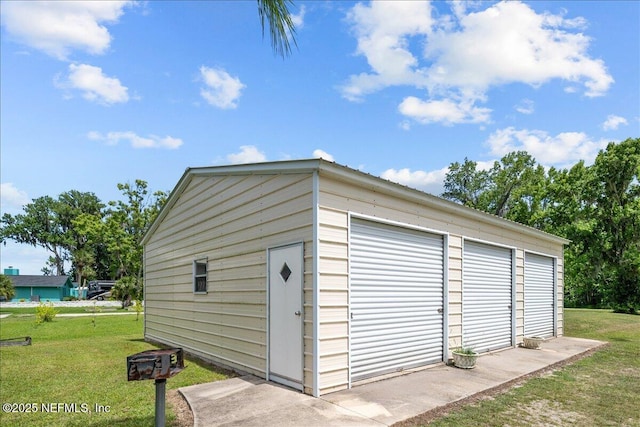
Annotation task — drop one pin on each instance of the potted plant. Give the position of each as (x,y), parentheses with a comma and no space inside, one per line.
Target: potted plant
(532,342)
(464,357)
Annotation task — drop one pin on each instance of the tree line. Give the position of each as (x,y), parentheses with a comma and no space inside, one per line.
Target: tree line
(596,207)
(97,240)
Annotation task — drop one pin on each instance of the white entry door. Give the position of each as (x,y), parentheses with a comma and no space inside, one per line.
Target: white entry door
(286,270)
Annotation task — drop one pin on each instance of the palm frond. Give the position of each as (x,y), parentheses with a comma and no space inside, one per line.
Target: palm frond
(281,27)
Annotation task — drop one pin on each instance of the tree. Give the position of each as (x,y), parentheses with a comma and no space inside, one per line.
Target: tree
(6,288)
(596,207)
(515,192)
(465,184)
(126,223)
(512,188)
(281,27)
(569,213)
(48,223)
(38,226)
(615,189)
(71,205)
(76,227)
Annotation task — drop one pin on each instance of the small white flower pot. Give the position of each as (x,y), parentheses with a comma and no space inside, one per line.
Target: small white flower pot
(532,342)
(464,360)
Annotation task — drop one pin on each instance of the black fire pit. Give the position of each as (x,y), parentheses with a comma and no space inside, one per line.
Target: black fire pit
(156,365)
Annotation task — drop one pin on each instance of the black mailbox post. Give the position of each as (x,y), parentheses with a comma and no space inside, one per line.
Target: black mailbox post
(156,365)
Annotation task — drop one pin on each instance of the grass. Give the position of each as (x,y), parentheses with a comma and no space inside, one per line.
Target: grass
(600,390)
(71,361)
(31,310)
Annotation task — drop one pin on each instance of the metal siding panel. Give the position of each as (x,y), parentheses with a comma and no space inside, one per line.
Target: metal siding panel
(486,297)
(539,287)
(233,231)
(396,292)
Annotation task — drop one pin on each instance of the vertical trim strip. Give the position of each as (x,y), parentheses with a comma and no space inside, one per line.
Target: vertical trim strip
(268,347)
(316,284)
(445,298)
(144,293)
(349,354)
(555,296)
(514,291)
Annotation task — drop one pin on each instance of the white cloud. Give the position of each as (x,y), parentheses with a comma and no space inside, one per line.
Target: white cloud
(383,30)
(247,154)
(12,198)
(467,53)
(526,106)
(59,27)
(298,18)
(321,154)
(136,141)
(94,85)
(561,150)
(431,182)
(613,122)
(447,111)
(509,42)
(221,90)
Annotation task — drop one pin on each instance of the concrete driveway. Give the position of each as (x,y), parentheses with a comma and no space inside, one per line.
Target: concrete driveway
(250,401)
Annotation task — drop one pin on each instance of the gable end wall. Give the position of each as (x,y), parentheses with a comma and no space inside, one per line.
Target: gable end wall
(230,220)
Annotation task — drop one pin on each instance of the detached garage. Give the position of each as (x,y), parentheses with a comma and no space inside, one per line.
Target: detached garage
(318,276)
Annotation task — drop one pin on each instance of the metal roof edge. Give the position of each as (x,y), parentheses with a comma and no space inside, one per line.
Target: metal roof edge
(351,175)
(412,194)
(276,167)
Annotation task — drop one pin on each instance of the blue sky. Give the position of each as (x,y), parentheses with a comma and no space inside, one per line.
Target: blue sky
(99,93)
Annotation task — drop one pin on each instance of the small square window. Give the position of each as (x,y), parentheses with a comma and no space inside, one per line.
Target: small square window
(200,276)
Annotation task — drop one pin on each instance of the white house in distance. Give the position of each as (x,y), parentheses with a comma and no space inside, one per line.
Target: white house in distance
(317,276)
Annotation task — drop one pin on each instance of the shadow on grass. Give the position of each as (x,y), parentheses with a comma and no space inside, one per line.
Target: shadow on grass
(619,339)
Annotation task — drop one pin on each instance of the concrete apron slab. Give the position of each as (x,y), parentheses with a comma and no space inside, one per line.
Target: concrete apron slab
(250,401)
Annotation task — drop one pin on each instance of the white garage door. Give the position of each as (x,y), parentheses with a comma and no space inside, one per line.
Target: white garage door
(396,296)
(487,283)
(539,285)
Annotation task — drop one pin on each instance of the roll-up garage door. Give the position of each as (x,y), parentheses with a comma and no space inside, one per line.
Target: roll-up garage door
(487,284)
(396,298)
(539,284)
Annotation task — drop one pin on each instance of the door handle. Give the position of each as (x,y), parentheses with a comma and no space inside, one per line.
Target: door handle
(298,313)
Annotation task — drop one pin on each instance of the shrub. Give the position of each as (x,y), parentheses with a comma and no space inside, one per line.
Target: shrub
(6,287)
(45,313)
(464,350)
(138,308)
(125,290)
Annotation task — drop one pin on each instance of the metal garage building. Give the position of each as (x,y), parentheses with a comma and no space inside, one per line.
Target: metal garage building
(317,276)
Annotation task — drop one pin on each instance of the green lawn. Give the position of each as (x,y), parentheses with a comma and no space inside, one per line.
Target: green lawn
(91,309)
(600,390)
(73,362)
